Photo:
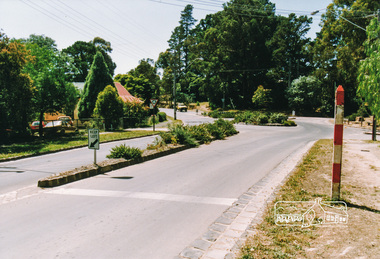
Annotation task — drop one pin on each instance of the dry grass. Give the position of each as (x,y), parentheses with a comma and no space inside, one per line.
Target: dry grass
(359,238)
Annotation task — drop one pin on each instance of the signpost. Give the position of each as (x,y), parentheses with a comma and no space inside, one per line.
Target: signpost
(153,103)
(93,141)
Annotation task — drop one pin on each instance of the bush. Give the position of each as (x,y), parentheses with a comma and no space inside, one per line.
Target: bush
(215,131)
(226,127)
(168,138)
(289,123)
(262,118)
(182,135)
(161,116)
(278,118)
(126,152)
(201,133)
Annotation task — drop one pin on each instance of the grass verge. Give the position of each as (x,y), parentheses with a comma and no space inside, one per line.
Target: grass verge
(272,241)
(37,146)
(359,238)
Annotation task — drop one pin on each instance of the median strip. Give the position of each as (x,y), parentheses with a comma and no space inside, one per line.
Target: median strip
(104,167)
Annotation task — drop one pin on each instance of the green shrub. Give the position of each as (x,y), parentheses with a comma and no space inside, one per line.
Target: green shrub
(182,135)
(124,151)
(277,118)
(226,127)
(214,114)
(201,133)
(262,118)
(289,123)
(168,138)
(161,116)
(246,117)
(215,131)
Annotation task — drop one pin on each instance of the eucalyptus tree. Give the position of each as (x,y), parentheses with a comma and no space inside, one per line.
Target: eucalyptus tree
(291,57)
(369,70)
(338,49)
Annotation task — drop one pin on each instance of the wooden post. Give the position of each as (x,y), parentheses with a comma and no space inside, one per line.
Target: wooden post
(338,143)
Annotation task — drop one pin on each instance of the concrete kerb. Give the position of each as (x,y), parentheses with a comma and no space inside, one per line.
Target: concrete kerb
(229,232)
(101,168)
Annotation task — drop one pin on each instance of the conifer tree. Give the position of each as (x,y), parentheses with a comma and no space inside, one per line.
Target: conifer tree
(97,79)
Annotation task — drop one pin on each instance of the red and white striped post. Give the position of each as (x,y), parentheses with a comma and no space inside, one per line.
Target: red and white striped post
(338,143)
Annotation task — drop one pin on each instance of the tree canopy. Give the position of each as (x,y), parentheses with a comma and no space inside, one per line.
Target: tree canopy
(83,55)
(109,106)
(97,79)
(369,70)
(15,87)
(48,70)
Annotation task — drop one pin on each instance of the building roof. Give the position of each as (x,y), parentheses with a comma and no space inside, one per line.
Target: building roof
(125,95)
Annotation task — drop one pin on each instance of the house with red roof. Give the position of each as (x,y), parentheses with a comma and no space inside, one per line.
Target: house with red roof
(125,95)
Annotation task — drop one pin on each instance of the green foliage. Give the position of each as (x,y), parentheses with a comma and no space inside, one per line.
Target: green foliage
(227,127)
(97,79)
(135,113)
(201,133)
(196,134)
(338,49)
(262,118)
(259,118)
(109,106)
(125,152)
(161,116)
(168,138)
(182,135)
(369,80)
(304,94)
(15,88)
(49,72)
(222,114)
(289,123)
(277,118)
(261,98)
(215,131)
(139,86)
(83,54)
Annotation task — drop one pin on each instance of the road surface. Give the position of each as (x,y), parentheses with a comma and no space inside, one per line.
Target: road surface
(153,209)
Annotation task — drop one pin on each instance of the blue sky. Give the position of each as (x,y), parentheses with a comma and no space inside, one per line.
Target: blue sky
(137,29)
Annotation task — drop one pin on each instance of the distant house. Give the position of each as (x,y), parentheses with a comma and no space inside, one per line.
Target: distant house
(125,95)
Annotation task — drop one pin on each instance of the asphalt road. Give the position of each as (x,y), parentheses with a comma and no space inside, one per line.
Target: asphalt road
(25,172)
(153,209)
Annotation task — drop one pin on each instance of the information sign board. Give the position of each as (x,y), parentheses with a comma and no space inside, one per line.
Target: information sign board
(93,139)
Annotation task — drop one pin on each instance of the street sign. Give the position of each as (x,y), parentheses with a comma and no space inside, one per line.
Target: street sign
(93,139)
(153,102)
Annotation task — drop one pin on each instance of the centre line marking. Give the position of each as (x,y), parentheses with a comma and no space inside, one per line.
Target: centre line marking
(145,195)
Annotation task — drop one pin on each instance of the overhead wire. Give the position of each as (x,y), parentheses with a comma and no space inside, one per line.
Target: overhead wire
(116,36)
(86,27)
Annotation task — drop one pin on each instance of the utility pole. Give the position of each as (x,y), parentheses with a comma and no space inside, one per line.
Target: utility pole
(174,97)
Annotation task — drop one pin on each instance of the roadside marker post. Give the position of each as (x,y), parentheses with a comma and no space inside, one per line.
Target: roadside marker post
(93,141)
(338,143)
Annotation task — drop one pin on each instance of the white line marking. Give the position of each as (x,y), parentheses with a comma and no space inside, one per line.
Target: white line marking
(145,195)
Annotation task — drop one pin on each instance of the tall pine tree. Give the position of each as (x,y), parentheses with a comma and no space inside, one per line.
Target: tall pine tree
(97,79)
